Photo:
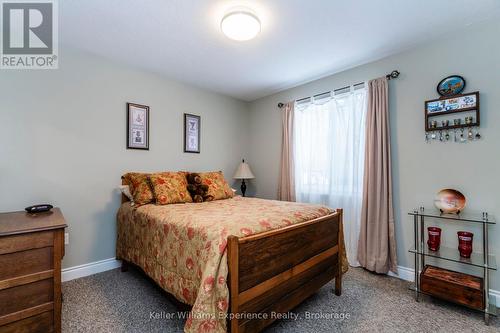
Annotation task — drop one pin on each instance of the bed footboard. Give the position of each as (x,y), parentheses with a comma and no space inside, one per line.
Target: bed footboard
(274,271)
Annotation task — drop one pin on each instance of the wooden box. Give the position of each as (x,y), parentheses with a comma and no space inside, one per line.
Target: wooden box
(453,286)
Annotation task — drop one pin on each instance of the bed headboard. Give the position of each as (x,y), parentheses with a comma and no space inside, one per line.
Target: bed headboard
(124,197)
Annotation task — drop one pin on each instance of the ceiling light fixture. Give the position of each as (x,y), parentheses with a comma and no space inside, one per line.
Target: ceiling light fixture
(240,24)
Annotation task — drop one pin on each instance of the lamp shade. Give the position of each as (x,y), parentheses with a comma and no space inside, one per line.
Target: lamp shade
(243,171)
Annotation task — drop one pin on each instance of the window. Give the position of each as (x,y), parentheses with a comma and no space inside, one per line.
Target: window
(329,141)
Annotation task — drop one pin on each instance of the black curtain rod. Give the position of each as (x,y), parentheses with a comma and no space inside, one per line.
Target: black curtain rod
(326,92)
(354,85)
(392,75)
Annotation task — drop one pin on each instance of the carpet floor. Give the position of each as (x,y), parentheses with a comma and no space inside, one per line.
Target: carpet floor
(123,302)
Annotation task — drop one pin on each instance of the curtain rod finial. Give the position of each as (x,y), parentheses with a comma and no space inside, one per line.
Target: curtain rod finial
(393,75)
(280,105)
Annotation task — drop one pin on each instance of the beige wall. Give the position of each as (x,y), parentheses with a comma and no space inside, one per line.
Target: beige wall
(420,169)
(63,135)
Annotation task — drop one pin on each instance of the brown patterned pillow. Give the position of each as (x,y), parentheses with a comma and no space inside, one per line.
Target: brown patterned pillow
(139,187)
(169,188)
(218,188)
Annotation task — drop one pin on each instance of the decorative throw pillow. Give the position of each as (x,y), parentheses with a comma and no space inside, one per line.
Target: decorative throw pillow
(218,188)
(169,188)
(139,187)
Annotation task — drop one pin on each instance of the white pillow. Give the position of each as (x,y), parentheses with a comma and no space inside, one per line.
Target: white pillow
(125,189)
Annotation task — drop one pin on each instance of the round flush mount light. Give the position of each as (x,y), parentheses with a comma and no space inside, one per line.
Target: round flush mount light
(240,24)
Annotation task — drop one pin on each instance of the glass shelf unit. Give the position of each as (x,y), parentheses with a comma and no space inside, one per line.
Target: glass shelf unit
(421,251)
(465,217)
(447,253)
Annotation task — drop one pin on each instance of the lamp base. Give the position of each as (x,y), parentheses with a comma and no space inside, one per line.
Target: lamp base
(243,187)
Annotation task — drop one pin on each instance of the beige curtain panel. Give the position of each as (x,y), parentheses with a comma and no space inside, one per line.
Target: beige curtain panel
(377,243)
(286,183)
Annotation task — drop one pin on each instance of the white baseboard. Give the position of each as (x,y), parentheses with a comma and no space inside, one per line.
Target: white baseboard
(404,273)
(496,294)
(408,274)
(95,267)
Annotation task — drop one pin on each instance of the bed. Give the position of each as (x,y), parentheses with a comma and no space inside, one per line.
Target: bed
(236,262)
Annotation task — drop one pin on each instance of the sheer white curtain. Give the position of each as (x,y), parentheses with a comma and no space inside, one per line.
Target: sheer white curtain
(329,150)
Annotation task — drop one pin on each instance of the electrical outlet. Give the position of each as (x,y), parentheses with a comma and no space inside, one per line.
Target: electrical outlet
(66,238)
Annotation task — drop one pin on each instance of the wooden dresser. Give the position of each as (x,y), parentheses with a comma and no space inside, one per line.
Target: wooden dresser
(31,250)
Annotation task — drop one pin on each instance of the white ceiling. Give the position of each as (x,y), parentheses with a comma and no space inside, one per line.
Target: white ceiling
(301,40)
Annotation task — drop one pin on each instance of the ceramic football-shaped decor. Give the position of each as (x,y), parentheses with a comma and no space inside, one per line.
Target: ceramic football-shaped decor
(450,201)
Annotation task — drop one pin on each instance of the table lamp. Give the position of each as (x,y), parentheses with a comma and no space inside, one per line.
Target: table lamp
(243,172)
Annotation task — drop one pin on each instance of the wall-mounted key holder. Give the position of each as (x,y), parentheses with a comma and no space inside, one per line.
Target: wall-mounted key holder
(453,118)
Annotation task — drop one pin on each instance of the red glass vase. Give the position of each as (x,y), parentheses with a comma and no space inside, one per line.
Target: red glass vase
(434,238)
(465,243)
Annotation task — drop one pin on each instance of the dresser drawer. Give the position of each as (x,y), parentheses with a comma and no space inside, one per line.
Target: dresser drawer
(26,262)
(24,242)
(26,296)
(42,323)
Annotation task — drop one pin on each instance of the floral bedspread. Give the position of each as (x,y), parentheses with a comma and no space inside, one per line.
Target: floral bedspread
(183,247)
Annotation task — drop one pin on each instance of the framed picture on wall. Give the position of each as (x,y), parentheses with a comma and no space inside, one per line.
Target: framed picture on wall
(137,126)
(192,125)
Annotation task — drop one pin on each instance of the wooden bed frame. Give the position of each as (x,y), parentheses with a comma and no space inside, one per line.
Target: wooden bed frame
(274,271)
